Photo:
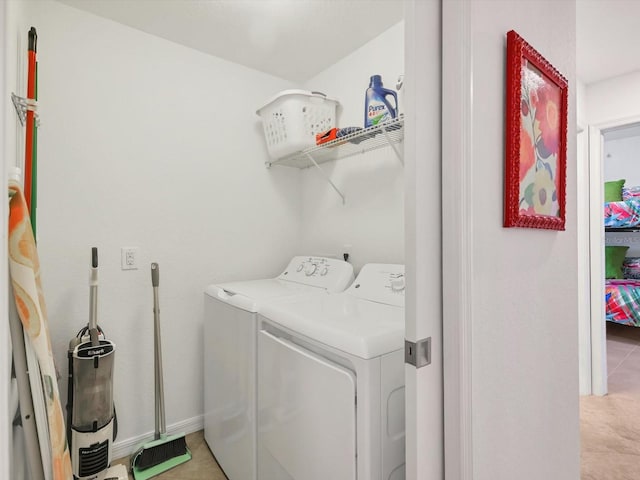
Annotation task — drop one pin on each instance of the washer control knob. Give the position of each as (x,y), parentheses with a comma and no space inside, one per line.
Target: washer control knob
(310,269)
(324,271)
(300,267)
(397,284)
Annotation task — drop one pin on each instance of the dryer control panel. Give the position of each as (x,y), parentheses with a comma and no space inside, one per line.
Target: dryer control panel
(329,273)
(380,282)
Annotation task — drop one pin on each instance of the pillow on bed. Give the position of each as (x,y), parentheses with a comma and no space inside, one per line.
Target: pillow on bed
(613,191)
(631,193)
(614,259)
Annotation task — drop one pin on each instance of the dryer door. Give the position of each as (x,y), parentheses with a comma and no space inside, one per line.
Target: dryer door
(306,414)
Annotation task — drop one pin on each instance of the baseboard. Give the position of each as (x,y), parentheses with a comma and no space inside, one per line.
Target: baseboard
(124,448)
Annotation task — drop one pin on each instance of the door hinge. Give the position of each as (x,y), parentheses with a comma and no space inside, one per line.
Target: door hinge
(418,353)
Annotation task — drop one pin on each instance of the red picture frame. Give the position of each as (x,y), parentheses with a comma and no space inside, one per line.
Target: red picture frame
(536,139)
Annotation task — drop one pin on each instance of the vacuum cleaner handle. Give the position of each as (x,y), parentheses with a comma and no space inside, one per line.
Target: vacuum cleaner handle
(155,275)
(93,298)
(161,427)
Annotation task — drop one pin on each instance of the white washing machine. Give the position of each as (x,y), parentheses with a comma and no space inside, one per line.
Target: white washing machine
(331,382)
(230,329)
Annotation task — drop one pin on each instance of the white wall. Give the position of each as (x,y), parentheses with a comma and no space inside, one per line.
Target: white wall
(525,323)
(12,79)
(16,40)
(614,99)
(581,104)
(622,160)
(150,144)
(371,220)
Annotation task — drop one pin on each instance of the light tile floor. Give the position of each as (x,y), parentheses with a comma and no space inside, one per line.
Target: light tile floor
(610,425)
(202,465)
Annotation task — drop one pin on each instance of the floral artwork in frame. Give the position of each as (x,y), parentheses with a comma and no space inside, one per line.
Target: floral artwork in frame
(536,139)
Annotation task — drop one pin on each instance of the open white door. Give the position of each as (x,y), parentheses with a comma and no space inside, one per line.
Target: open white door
(423,236)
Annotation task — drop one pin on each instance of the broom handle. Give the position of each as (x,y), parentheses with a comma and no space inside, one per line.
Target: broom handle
(31,94)
(161,428)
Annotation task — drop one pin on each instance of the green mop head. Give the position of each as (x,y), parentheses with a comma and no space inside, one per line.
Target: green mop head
(158,456)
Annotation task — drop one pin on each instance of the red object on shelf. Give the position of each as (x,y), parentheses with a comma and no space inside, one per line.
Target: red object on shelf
(31,94)
(327,136)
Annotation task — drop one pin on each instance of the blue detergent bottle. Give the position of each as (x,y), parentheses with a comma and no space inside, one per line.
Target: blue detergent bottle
(377,105)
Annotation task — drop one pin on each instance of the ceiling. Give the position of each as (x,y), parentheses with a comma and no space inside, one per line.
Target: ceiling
(296,39)
(291,39)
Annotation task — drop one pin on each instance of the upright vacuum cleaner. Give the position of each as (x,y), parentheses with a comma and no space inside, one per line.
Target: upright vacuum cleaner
(91,419)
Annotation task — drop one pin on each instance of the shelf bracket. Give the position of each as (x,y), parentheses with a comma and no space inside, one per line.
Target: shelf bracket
(393,145)
(22,105)
(325,175)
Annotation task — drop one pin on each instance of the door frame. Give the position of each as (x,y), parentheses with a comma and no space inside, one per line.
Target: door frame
(596,247)
(457,245)
(5,353)
(584,261)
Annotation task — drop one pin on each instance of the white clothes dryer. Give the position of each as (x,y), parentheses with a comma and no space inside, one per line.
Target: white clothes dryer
(331,382)
(230,330)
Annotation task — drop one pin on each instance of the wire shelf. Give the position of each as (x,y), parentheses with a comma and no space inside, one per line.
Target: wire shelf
(385,134)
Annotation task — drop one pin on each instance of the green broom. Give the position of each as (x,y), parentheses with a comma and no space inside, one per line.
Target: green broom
(165,451)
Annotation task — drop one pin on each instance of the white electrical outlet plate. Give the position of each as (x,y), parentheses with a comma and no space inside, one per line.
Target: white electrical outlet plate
(129,258)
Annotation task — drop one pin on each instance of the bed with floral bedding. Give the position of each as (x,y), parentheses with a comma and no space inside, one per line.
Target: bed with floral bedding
(622,214)
(622,297)
(622,272)
(622,205)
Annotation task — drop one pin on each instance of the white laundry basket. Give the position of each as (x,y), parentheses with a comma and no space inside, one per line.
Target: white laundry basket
(292,119)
